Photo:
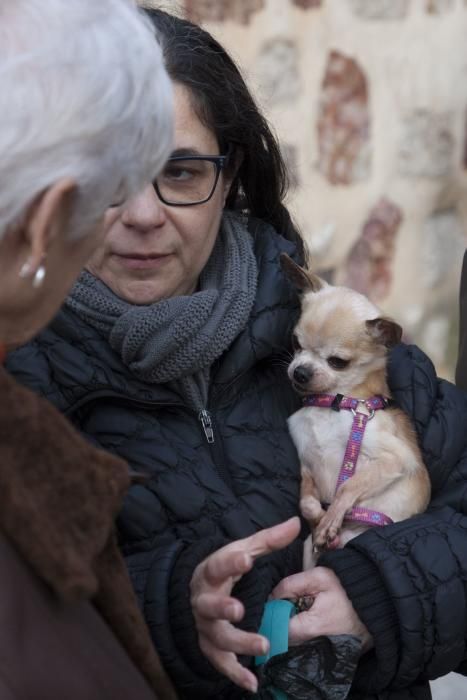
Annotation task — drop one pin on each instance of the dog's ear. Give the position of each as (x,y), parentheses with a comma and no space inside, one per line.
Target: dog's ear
(302,279)
(384,331)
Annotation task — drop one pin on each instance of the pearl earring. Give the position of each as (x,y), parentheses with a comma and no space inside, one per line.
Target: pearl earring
(39,277)
(25,270)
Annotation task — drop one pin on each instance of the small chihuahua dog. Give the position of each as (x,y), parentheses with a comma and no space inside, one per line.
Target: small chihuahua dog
(360,462)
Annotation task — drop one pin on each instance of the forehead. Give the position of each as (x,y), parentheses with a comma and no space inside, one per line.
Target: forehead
(190,132)
(335,315)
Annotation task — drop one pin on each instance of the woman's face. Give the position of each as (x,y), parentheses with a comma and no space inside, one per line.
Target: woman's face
(153,251)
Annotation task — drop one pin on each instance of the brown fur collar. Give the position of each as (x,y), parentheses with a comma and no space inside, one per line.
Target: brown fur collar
(58,494)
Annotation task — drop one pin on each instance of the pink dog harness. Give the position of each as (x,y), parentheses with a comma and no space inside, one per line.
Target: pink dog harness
(352,451)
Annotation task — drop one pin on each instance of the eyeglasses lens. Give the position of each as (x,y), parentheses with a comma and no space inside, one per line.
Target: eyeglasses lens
(187,181)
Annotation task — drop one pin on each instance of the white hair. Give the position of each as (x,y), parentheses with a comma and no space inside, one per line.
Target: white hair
(83,94)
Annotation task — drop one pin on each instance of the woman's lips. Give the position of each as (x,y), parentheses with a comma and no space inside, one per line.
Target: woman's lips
(142,262)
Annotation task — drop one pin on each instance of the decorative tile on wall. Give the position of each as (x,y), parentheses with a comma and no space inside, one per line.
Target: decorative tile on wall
(278,71)
(443,243)
(426,147)
(437,7)
(222,10)
(370,261)
(344,122)
(380,9)
(307,4)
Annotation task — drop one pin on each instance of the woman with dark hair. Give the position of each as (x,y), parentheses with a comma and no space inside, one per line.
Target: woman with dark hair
(223,103)
(170,352)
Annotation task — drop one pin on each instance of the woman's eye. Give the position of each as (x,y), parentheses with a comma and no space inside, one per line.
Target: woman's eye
(338,362)
(296,343)
(183,170)
(176,173)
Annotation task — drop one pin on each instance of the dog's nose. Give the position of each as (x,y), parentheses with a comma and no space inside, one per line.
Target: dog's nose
(302,374)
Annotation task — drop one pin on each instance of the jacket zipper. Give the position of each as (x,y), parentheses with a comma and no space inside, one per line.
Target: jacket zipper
(216,446)
(206,421)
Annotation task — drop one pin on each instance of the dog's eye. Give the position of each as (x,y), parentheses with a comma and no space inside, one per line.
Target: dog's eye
(295,343)
(337,362)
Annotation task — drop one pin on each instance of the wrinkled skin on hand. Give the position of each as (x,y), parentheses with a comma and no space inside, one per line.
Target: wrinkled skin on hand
(331,613)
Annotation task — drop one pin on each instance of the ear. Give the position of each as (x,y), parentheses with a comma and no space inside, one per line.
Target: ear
(46,218)
(384,331)
(302,279)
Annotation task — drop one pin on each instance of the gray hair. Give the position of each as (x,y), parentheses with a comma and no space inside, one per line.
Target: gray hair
(83,94)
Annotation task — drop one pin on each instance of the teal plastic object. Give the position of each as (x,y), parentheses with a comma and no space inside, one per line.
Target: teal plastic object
(275,627)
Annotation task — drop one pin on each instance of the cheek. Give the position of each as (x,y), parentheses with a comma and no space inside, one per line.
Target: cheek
(96,259)
(111,217)
(198,234)
(107,229)
(81,252)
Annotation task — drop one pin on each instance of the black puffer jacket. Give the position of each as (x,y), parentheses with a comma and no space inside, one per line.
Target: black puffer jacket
(408,581)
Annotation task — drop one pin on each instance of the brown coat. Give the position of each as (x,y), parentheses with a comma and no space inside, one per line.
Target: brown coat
(58,499)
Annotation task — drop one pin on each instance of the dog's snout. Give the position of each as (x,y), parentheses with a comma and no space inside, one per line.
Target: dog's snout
(302,374)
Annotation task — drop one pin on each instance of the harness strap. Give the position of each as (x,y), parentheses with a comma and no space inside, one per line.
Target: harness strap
(354,443)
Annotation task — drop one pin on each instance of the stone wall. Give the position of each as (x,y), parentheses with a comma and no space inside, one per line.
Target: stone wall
(369,99)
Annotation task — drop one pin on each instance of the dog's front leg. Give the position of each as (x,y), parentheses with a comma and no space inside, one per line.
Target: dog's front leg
(366,483)
(310,505)
(312,511)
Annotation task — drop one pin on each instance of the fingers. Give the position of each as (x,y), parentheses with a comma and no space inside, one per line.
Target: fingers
(227,663)
(226,563)
(273,538)
(302,628)
(225,637)
(236,559)
(212,606)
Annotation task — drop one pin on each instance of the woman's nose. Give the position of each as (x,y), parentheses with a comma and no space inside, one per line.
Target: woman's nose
(144,211)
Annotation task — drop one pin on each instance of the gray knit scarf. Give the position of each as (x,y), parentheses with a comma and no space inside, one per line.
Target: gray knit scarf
(178,339)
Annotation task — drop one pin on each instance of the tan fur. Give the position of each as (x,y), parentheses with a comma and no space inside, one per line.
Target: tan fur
(390,476)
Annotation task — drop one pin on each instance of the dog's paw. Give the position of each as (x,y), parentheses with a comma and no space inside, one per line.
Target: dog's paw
(326,533)
(311,509)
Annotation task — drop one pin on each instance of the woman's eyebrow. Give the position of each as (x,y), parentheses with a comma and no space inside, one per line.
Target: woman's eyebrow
(185,152)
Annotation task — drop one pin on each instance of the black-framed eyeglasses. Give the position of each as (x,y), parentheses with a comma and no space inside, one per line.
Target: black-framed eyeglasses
(189,180)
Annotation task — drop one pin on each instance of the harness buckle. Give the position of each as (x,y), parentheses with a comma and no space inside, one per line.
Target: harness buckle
(336,404)
(369,415)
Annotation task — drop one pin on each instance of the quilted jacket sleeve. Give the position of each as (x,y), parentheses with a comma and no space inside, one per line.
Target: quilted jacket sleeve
(408,581)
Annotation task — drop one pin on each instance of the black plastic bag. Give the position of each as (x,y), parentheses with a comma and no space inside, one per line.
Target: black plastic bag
(321,669)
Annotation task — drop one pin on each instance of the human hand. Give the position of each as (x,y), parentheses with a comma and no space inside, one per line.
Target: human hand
(331,612)
(215,610)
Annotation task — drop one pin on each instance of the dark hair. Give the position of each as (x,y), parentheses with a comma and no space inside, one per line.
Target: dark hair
(224,104)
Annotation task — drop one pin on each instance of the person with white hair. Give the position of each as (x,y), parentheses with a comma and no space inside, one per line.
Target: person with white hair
(85,121)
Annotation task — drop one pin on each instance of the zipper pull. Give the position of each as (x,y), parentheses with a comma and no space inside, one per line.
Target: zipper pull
(206,422)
